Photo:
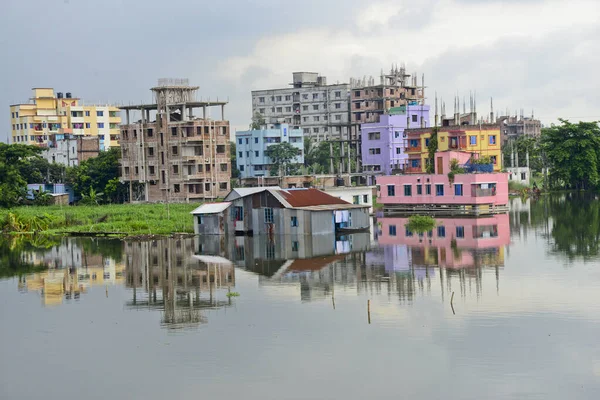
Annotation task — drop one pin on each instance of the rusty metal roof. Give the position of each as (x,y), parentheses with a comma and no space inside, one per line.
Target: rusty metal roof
(309,197)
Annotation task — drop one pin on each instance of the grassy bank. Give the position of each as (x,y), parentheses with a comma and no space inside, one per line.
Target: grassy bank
(125,219)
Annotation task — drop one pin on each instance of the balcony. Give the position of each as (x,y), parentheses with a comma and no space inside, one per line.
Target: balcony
(413,170)
(413,149)
(478,192)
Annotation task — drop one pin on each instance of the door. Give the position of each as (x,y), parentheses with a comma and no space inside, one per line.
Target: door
(440,165)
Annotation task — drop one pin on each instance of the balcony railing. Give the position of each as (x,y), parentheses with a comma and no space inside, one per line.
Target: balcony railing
(413,170)
(412,149)
(478,192)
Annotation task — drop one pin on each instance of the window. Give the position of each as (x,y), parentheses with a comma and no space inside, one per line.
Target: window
(316,118)
(288,97)
(240,154)
(415,118)
(268,215)
(288,109)
(242,168)
(279,109)
(176,169)
(224,167)
(408,232)
(223,186)
(426,142)
(87,113)
(414,143)
(494,159)
(176,188)
(256,153)
(315,130)
(246,140)
(365,198)
(100,113)
(338,117)
(439,190)
(304,108)
(151,169)
(261,99)
(428,189)
(305,96)
(357,93)
(295,245)
(100,125)
(355,200)
(414,163)
(88,125)
(338,105)
(419,189)
(392,230)
(523,176)
(375,151)
(374,135)
(278,98)
(315,96)
(492,139)
(261,110)
(460,231)
(315,107)
(240,141)
(294,221)
(338,94)
(304,119)
(391,190)
(441,231)
(458,189)
(221,149)
(175,150)
(408,190)
(473,140)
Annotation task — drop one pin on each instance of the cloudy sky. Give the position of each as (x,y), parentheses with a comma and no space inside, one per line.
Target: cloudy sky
(541,55)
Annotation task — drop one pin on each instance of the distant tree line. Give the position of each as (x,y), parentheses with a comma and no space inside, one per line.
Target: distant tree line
(94,181)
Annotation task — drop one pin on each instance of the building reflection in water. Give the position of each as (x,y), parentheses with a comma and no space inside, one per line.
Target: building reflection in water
(457,249)
(169,276)
(72,268)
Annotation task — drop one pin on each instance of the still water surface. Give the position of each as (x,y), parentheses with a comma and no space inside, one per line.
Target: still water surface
(153,319)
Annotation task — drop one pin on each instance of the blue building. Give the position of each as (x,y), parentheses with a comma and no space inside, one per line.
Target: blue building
(252,145)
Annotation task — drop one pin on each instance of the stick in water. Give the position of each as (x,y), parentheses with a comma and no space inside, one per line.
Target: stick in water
(369,310)
(451,303)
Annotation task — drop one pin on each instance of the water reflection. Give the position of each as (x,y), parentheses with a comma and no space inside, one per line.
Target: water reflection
(167,275)
(71,266)
(568,222)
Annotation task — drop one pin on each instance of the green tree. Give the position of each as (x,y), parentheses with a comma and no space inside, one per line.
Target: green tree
(258,121)
(573,153)
(235,172)
(100,174)
(432,148)
(522,146)
(281,155)
(13,186)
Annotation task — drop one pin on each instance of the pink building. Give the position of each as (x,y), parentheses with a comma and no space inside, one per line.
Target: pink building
(453,243)
(469,193)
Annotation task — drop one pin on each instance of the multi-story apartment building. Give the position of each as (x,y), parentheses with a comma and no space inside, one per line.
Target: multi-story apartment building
(170,154)
(481,139)
(368,102)
(515,126)
(48,114)
(252,145)
(310,104)
(384,142)
(71,150)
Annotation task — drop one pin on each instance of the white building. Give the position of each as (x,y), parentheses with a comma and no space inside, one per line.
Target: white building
(353,194)
(320,110)
(521,175)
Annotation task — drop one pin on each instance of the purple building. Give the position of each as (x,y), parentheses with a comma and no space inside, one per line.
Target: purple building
(383,142)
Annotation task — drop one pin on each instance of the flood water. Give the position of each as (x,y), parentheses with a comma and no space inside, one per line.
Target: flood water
(161,320)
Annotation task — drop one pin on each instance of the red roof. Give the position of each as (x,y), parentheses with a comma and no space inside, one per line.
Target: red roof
(309,197)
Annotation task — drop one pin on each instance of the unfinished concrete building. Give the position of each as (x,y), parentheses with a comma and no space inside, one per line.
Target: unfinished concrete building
(170,154)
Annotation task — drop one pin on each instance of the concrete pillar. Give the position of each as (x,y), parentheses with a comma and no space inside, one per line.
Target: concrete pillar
(203,112)
(222,112)
(190,113)
(330,157)
(182,112)
(127,116)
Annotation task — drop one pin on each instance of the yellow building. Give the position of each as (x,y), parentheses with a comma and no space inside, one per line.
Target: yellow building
(48,114)
(483,139)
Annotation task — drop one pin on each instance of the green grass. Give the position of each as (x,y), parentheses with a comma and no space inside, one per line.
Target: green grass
(124,219)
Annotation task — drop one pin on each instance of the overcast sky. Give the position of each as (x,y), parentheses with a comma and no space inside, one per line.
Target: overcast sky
(541,55)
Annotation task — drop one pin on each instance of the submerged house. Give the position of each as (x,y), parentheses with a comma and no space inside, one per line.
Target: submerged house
(475,190)
(272,210)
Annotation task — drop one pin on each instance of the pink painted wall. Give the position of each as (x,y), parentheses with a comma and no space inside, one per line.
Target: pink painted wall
(443,245)
(449,197)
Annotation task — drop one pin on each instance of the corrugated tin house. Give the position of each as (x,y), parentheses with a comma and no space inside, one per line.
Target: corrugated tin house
(211,219)
(272,210)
